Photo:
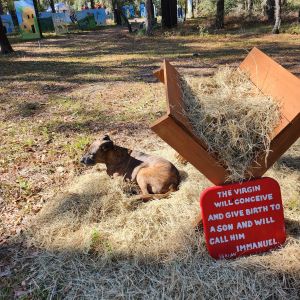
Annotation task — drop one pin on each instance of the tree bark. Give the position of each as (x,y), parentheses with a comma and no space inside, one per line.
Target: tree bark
(92,4)
(250,6)
(149,17)
(189,9)
(117,15)
(37,17)
(270,9)
(277,17)
(52,6)
(193,9)
(4,42)
(152,11)
(125,19)
(169,13)
(1,9)
(220,14)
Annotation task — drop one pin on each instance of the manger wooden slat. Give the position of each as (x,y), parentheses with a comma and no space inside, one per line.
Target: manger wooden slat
(175,104)
(159,74)
(274,80)
(279,145)
(174,95)
(176,136)
(271,78)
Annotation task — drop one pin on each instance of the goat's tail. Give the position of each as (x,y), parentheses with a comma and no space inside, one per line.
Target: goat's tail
(149,197)
(143,198)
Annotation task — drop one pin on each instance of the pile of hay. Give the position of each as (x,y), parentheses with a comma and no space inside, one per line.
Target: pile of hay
(234,119)
(90,244)
(100,215)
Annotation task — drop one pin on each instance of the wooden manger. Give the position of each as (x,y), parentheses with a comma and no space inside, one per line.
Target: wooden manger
(271,78)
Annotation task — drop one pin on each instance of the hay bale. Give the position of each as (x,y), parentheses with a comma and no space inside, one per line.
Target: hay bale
(232,117)
(94,216)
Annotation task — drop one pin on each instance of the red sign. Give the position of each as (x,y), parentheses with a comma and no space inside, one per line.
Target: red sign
(242,218)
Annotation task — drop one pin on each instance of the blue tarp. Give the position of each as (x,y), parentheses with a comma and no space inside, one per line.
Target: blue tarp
(125,10)
(100,15)
(131,11)
(46,21)
(8,23)
(45,14)
(86,19)
(61,21)
(142,10)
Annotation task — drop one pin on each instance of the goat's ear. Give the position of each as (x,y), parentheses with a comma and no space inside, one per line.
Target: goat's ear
(107,146)
(106,138)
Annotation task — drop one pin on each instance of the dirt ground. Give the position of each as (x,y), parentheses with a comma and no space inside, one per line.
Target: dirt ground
(59,94)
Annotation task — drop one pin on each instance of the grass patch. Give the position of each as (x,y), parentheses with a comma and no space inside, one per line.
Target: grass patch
(92,83)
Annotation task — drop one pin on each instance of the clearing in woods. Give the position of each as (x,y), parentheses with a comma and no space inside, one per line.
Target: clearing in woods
(58,96)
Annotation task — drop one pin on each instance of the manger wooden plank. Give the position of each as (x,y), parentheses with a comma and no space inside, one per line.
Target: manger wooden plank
(159,74)
(174,95)
(274,80)
(280,144)
(180,140)
(271,78)
(175,104)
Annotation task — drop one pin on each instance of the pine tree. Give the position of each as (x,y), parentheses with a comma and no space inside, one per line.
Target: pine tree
(169,13)
(4,42)
(277,17)
(220,14)
(149,17)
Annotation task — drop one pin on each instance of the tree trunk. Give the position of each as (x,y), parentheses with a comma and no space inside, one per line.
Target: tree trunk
(125,20)
(193,9)
(220,14)
(169,13)
(117,15)
(52,6)
(250,6)
(270,9)
(13,14)
(189,9)
(92,4)
(37,17)
(185,9)
(152,11)
(4,42)
(277,17)
(149,17)
(1,9)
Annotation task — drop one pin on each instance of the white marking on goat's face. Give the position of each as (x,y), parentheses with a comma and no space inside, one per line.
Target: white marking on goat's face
(97,151)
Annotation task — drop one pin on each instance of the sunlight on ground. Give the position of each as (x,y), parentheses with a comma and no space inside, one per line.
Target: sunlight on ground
(57,98)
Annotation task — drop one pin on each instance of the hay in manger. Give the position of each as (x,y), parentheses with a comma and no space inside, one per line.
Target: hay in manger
(233,118)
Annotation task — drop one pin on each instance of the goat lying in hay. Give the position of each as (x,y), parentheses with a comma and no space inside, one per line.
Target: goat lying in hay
(156,176)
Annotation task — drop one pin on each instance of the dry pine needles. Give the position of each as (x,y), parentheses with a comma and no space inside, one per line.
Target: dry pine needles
(232,117)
